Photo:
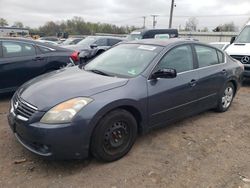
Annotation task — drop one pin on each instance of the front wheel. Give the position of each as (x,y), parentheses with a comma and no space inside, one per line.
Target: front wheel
(226,98)
(114,136)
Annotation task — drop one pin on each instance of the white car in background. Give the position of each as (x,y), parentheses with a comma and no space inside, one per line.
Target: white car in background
(220,45)
(239,48)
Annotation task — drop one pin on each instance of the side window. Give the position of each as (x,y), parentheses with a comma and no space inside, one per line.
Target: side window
(112,42)
(206,56)
(179,58)
(101,42)
(220,56)
(17,49)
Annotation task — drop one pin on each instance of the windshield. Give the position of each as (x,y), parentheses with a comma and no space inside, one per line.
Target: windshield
(134,37)
(244,36)
(87,41)
(68,41)
(124,60)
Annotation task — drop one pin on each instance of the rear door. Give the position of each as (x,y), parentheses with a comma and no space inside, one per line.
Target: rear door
(212,74)
(170,99)
(18,64)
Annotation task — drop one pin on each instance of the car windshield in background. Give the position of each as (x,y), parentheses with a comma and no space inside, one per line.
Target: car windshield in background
(125,60)
(134,37)
(87,41)
(244,36)
(68,41)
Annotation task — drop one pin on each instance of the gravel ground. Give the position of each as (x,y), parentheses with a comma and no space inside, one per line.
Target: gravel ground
(208,150)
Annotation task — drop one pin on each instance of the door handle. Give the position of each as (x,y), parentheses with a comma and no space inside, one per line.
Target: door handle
(224,71)
(38,58)
(192,83)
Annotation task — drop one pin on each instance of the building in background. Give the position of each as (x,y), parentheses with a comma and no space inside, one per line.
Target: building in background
(13,32)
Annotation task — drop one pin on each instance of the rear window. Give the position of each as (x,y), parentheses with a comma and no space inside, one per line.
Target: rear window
(112,42)
(44,49)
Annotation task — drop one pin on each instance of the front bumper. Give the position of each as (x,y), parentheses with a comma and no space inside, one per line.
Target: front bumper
(66,141)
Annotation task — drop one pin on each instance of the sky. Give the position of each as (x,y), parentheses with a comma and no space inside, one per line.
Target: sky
(209,13)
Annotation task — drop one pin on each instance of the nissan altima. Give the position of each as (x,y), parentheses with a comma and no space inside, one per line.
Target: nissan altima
(132,88)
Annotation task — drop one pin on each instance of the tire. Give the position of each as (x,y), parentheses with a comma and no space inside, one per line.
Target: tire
(226,98)
(114,136)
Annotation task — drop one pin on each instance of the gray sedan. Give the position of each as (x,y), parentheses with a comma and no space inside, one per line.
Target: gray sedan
(130,89)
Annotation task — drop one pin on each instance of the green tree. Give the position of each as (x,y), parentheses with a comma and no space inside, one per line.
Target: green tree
(3,22)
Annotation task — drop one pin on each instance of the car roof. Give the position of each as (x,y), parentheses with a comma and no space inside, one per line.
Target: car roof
(108,37)
(162,42)
(33,42)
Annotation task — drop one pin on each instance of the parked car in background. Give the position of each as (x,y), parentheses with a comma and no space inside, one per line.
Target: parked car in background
(240,48)
(71,41)
(152,33)
(23,59)
(220,45)
(48,42)
(93,46)
(133,87)
(52,39)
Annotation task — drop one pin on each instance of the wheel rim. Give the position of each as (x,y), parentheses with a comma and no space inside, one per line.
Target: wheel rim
(116,137)
(227,97)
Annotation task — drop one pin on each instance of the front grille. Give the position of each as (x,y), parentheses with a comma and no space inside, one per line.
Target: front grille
(22,108)
(247,68)
(242,58)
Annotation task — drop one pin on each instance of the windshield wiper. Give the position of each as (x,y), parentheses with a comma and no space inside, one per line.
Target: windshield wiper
(99,72)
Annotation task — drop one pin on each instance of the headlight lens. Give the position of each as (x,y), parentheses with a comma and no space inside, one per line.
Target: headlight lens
(64,112)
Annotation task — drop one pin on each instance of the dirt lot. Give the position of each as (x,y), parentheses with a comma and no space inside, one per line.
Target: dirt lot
(208,150)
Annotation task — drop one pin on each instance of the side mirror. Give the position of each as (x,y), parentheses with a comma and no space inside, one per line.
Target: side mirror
(164,73)
(232,40)
(93,46)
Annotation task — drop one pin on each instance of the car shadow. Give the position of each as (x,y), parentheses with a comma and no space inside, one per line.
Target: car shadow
(6,96)
(246,82)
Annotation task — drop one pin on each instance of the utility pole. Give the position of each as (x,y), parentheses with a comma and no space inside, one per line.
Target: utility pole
(171,14)
(144,22)
(154,20)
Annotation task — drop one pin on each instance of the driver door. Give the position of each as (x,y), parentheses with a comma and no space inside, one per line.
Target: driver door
(174,98)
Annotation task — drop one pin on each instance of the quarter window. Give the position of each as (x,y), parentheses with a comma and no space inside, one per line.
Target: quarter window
(220,56)
(17,49)
(206,56)
(179,58)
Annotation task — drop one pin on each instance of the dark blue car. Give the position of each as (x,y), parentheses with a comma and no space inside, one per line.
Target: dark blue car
(130,89)
(23,59)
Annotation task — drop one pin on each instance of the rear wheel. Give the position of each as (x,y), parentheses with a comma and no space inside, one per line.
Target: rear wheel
(114,136)
(226,98)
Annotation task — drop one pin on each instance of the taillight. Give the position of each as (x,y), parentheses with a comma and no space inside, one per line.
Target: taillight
(74,56)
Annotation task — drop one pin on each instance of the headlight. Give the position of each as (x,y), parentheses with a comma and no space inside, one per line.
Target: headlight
(64,112)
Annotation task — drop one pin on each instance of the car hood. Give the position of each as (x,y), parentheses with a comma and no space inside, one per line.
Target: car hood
(77,47)
(53,88)
(239,49)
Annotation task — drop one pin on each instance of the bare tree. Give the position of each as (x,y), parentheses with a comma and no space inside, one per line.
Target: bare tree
(18,24)
(191,24)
